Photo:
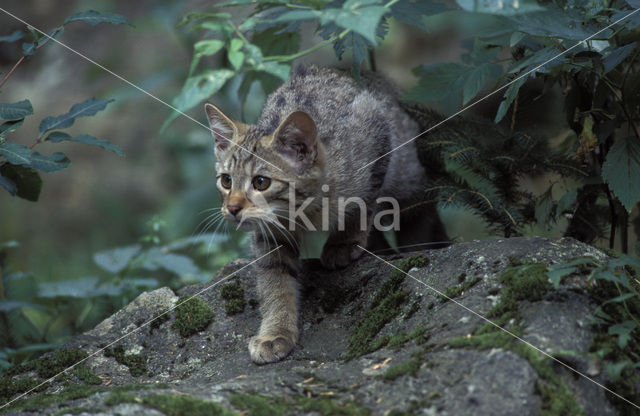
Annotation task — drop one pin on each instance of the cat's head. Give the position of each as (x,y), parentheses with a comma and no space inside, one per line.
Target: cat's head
(257,173)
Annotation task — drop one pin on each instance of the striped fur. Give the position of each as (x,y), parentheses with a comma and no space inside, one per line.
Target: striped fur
(318,129)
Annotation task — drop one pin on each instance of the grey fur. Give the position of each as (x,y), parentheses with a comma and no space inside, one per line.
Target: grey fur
(354,126)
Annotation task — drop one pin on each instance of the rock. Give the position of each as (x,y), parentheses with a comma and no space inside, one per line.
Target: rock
(409,349)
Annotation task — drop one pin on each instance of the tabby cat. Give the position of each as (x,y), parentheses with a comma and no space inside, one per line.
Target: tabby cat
(306,154)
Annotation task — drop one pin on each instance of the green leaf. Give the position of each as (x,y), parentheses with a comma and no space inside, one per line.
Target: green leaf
(623,331)
(436,81)
(476,78)
(614,370)
(197,89)
(15,111)
(17,35)
(15,153)
(27,181)
(413,12)
(566,202)
(621,171)
(93,18)
(499,7)
(8,185)
(88,287)
(555,23)
(279,70)
(207,47)
(509,95)
(556,272)
(614,57)
(53,163)
(357,15)
(174,263)
(117,259)
(9,127)
(234,54)
(58,136)
(86,108)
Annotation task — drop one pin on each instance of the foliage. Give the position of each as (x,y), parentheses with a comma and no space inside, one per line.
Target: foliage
(19,164)
(37,316)
(585,50)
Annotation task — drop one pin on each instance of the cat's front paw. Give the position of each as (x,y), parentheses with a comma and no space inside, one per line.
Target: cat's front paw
(269,349)
(337,256)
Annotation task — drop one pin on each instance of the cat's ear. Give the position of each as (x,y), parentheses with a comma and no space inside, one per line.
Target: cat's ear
(296,140)
(223,128)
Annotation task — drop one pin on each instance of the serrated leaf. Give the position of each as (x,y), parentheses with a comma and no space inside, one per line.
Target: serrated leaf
(17,35)
(413,12)
(15,153)
(8,185)
(15,111)
(53,163)
(509,95)
(58,136)
(115,260)
(361,19)
(93,18)
(623,331)
(9,127)
(476,78)
(27,181)
(500,7)
(614,57)
(436,81)
(621,171)
(86,108)
(554,22)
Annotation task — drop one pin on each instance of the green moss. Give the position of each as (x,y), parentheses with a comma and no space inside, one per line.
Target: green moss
(85,374)
(192,316)
(137,363)
(41,401)
(261,405)
(57,362)
(523,282)
(11,386)
(386,304)
(171,404)
(233,294)
(455,291)
(409,368)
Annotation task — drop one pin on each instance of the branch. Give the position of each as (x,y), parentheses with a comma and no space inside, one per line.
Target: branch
(22,59)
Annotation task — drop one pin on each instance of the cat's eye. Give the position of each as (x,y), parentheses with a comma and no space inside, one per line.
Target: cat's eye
(225,181)
(261,183)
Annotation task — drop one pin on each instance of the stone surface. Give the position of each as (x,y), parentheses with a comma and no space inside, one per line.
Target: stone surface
(214,365)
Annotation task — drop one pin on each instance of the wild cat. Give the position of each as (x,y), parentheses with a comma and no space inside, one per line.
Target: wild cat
(297,166)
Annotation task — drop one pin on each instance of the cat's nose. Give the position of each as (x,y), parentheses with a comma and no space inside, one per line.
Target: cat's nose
(234,209)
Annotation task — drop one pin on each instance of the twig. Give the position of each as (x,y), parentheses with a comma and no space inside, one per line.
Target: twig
(22,59)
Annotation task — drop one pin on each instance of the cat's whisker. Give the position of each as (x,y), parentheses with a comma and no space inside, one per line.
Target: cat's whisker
(287,218)
(291,240)
(209,219)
